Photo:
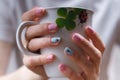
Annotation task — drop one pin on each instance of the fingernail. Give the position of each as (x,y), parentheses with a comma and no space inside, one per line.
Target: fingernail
(68,51)
(55,40)
(90,30)
(50,57)
(62,67)
(39,11)
(78,37)
(52,27)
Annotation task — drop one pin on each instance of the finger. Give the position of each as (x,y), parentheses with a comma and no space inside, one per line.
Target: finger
(40,30)
(33,61)
(84,44)
(33,14)
(79,59)
(95,39)
(38,43)
(68,72)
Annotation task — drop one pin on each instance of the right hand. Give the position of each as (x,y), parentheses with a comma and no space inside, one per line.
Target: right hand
(36,41)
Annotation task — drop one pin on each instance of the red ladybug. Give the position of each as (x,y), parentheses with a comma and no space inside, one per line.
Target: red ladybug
(83,16)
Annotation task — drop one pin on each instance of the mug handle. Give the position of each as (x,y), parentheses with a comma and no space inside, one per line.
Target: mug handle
(20,29)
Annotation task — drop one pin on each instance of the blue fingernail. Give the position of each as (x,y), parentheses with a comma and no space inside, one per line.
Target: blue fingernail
(55,39)
(68,51)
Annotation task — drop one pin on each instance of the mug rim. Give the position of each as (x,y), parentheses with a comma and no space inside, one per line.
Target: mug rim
(48,8)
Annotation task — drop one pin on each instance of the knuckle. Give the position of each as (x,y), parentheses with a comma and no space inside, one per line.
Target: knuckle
(99,56)
(28,62)
(32,46)
(29,32)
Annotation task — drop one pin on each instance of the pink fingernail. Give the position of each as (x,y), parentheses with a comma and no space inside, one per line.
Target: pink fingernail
(90,30)
(50,57)
(62,67)
(39,11)
(78,37)
(52,27)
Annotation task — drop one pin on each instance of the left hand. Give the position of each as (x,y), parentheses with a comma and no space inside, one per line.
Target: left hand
(35,43)
(89,60)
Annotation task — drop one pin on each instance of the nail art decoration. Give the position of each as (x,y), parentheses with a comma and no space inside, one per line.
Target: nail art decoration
(55,39)
(68,51)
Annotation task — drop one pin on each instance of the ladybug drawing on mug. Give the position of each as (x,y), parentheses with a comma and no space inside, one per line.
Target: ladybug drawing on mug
(83,16)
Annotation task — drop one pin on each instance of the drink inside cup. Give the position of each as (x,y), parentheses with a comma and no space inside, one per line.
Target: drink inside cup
(69,20)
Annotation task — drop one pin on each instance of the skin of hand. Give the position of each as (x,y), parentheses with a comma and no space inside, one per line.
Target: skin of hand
(32,63)
(89,61)
(35,63)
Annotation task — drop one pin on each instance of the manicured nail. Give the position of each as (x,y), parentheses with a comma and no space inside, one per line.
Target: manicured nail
(90,30)
(55,40)
(52,27)
(50,57)
(39,11)
(78,37)
(62,67)
(68,51)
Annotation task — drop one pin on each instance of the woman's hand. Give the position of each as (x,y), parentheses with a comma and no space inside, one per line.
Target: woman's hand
(89,60)
(36,41)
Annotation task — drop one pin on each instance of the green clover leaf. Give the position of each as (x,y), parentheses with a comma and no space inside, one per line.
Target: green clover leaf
(70,24)
(62,12)
(71,15)
(60,22)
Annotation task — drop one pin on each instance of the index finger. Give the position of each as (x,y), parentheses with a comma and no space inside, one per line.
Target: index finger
(33,14)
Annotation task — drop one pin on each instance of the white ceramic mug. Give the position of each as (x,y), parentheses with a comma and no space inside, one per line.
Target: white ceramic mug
(78,17)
